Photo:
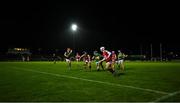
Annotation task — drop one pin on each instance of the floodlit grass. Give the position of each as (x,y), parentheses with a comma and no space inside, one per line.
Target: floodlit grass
(48,82)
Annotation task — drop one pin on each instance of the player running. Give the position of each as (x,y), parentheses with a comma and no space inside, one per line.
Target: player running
(120,61)
(107,57)
(87,60)
(77,57)
(113,57)
(54,58)
(67,55)
(98,57)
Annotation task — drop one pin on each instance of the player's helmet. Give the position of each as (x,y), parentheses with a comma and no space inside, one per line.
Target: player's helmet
(95,52)
(68,49)
(84,52)
(113,52)
(102,48)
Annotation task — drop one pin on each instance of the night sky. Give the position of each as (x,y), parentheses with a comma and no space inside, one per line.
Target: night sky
(113,25)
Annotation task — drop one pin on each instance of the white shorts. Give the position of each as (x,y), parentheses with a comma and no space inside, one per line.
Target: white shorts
(68,60)
(87,61)
(120,61)
(110,62)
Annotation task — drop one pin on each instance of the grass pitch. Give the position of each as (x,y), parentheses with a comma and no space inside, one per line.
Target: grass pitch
(48,82)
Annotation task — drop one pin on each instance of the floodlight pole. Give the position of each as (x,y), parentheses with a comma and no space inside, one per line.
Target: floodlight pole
(74,40)
(151,51)
(160,47)
(74,29)
(141,53)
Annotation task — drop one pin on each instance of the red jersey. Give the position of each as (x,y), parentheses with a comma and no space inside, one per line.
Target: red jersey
(87,58)
(78,56)
(107,55)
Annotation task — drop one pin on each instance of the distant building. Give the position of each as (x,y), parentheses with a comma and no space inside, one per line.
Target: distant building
(19,51)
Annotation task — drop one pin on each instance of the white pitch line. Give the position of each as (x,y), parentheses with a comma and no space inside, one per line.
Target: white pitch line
(166,96)
(107,83)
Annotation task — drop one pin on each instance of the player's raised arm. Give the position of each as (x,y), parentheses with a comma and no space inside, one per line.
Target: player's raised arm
(65,54)
(84,53)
